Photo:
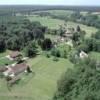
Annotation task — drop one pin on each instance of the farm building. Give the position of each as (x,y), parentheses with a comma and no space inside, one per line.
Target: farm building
(14,55)
(83,55)
(13,71)
(69,33)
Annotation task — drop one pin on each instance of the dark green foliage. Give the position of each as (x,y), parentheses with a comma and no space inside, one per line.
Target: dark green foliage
(78,28)
(55,52)
(2,44)
(80,83)
(31,50)
(17,34)
(46,44)
(97,35)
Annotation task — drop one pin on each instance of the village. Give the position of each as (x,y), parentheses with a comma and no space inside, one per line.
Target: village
(12,72)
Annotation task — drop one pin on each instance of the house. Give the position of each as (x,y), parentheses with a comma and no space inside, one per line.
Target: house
(69,33)
(83,55)
(13,71)
(14,55)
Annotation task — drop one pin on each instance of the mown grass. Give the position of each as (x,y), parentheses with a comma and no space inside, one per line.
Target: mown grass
(47,21)
(41,85)
(5,61)
(55,24)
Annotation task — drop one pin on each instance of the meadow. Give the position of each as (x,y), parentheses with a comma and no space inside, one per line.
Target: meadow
(55,24)
(41,85)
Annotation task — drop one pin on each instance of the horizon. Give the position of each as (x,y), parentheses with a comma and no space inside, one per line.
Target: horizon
(52,2)
(48,5)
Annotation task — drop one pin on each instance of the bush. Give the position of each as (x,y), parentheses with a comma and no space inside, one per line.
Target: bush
(48,55)
(80,83)
(55,52)
(55,59)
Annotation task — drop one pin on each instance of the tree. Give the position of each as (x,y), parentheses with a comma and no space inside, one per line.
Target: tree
(56,52)
(78,28)
(2,44)
(80,83)
(46,44)
(31,50)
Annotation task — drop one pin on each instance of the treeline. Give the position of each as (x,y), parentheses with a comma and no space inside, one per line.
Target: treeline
(91,44)
(10,9)
(89,19)
(15,35)
(80,83)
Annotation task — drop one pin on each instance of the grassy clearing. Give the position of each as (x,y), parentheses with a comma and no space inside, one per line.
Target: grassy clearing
(52,37)
(61,12)
(4,61)
(47,21)
(58,12)
(54,24)
(41,85)
(89,30)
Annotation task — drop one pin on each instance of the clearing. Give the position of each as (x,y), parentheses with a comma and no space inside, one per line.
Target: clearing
(55,24)
(38,86)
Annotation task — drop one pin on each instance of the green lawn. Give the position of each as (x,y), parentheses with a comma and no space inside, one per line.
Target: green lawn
(89,30)
(55,23)
(47,21)
(4,61)
(57,12)
(40,86)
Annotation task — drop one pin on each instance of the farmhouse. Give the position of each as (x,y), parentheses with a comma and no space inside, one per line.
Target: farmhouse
(14,55)
(13,71)
(69,33)
(83,55)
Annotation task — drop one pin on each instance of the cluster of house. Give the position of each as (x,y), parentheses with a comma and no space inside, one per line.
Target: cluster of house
(66,37)
(13,71)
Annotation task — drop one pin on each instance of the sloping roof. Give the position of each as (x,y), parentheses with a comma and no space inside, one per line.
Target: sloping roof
(83,54)
(14,54)
(18,68)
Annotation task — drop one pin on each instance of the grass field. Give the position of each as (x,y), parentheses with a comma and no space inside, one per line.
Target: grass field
(54,24)
(41,85)
(4,61)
